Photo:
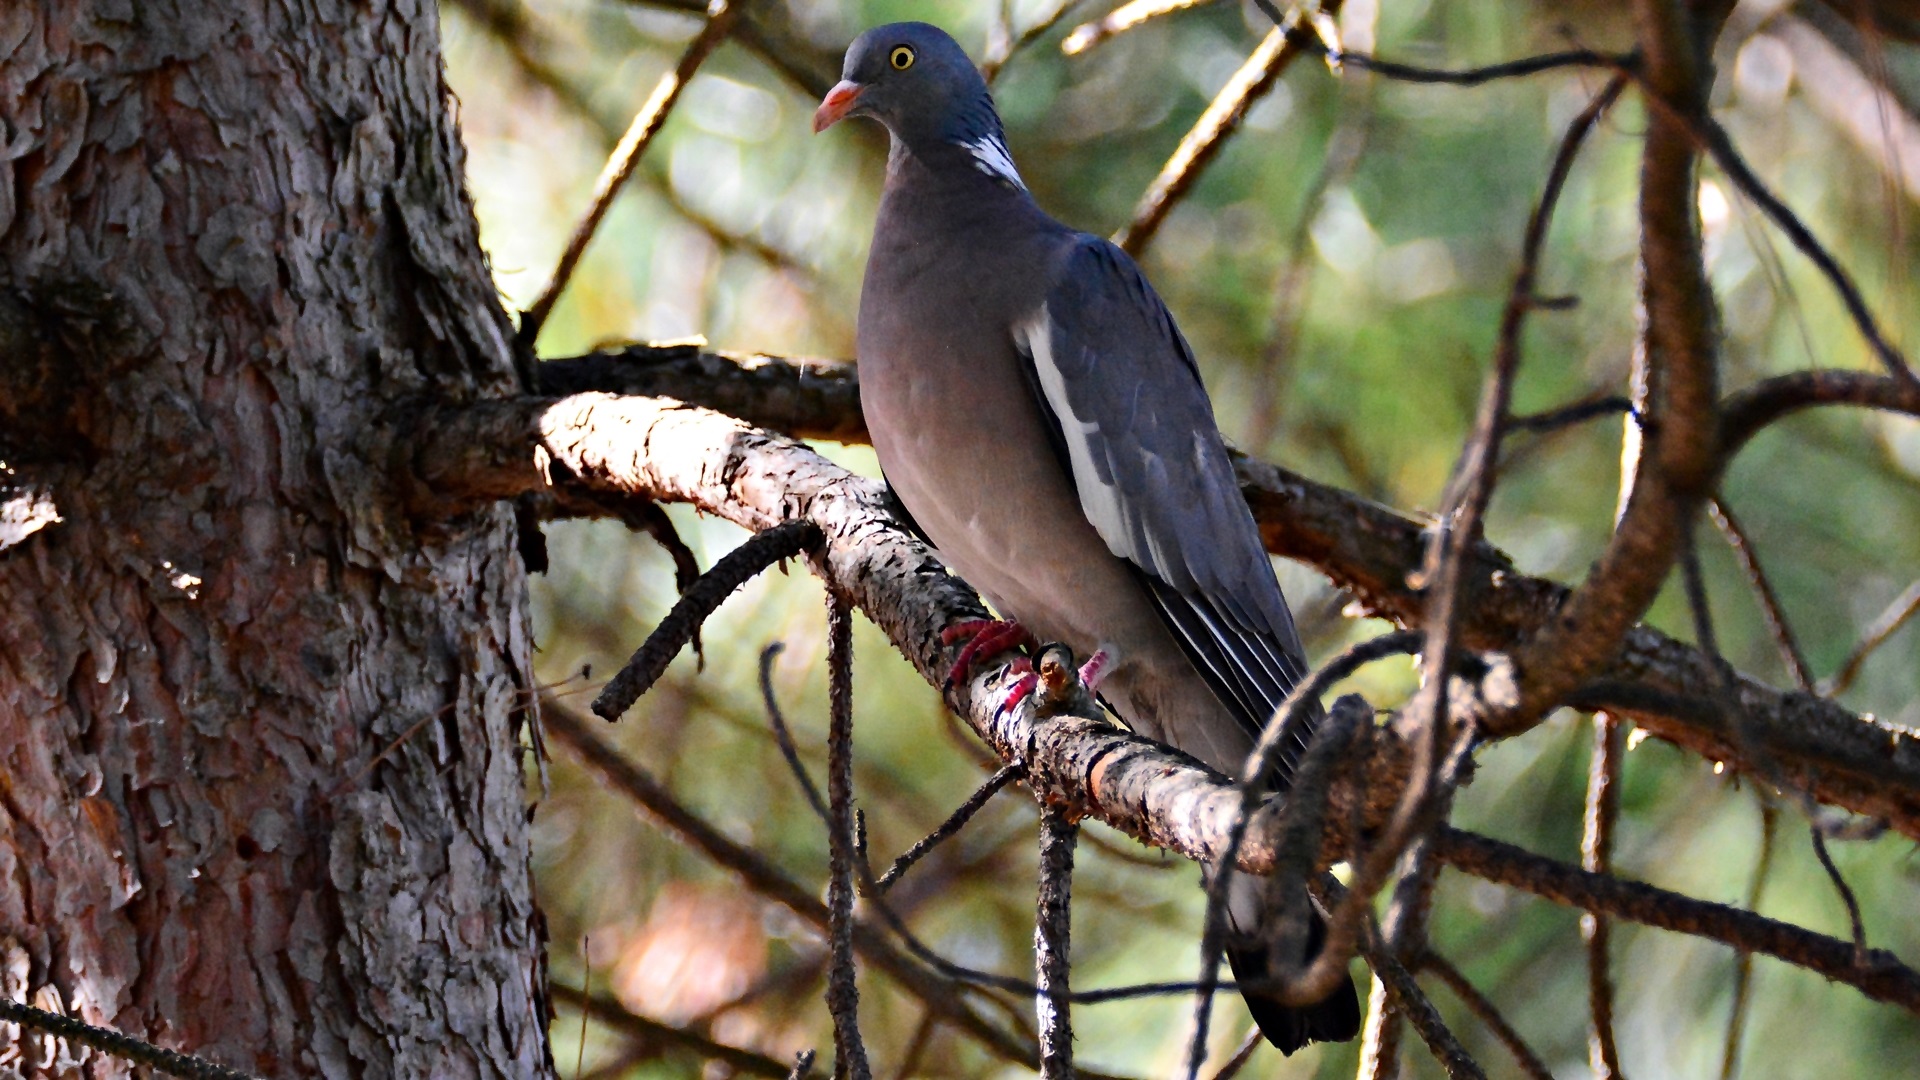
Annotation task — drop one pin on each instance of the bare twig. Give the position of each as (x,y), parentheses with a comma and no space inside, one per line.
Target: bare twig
(1884,625)
(607,1011)
(1210,133)
(652,519)
(1596,856)
(1120,20)
(946,829)
(1784,639)
(843,996)
(1510,69)
(1412,1003)
(116,1044)
(626,157)
(1405,931)
(1051,936)
(1696,590)
(1282,731)
(1426,721)
(1746,412)
(1577,413)
(917,1044)
(1251,1042)
(735,569)
(1471,488)
(1481,1006)
(783,737)
(1743,959)
(1009,46)
(1879,974)
(1380,1039)
(809,399)
(1672,450)
(1720,145)
(567,726)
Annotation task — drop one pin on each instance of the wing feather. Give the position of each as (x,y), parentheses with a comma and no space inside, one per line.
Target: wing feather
(1132,421)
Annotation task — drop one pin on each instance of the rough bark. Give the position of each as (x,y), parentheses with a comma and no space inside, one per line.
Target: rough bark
(236,256)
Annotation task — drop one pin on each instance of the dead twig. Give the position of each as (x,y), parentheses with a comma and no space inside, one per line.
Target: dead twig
(1509,69)
(1285,730)
(628,780)
(721,15)
(1720,146)
(1746,412)
(1489,1014)
(1053,923)
(1596,856)
(1878,974)
(116,1044)
(1743,959)
(1579,412)
(1672,451)
(843,995)
(1209,134)
(1241,1056)
(1120,20)
(1410,1001)
(1722,698)
(735,569)
(1884,625)
(1784,638)
(783,736)
(609,1012)
(1380,1040)
(955,821)
(1007,45)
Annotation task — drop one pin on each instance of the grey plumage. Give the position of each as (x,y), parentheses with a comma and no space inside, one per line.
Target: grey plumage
(1041,417)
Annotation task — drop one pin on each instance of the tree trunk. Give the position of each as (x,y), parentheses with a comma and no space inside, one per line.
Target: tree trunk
(261,784)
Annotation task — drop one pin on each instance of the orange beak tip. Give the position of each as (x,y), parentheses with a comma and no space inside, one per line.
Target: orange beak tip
(839,101)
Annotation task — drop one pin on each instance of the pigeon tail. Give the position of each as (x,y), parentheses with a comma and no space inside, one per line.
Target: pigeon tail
(1334,1018)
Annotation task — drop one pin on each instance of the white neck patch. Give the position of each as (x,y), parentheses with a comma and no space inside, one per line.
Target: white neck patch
(990,154)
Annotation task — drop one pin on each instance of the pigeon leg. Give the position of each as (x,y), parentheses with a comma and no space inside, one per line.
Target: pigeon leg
(1095,669)
(988,638)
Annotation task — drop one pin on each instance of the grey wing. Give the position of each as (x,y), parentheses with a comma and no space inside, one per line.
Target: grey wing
(1133,422)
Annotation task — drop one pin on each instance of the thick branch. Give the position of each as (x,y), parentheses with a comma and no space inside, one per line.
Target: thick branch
(1877,974)
(1842,758)
(657,449)
(649,448)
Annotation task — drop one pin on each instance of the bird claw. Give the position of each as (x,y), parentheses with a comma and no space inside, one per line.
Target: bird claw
(1026,680)
(986,638)
(1062,687)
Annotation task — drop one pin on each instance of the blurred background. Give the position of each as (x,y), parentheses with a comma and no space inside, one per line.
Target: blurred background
(1340,271)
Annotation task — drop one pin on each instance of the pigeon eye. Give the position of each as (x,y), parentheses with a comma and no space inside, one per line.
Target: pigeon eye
(901,58)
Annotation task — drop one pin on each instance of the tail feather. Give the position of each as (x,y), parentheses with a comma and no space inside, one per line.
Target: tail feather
(1334,1018)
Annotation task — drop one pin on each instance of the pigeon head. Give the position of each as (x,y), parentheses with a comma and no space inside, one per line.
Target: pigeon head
(918,82)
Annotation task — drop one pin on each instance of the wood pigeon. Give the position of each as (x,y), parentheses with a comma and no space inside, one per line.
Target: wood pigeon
(1041,418)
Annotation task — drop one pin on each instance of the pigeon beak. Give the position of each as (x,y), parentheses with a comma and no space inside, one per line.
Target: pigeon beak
(838,103)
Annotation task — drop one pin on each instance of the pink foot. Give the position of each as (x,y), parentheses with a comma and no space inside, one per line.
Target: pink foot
(1095,669)
(1022,687)
(989,638)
